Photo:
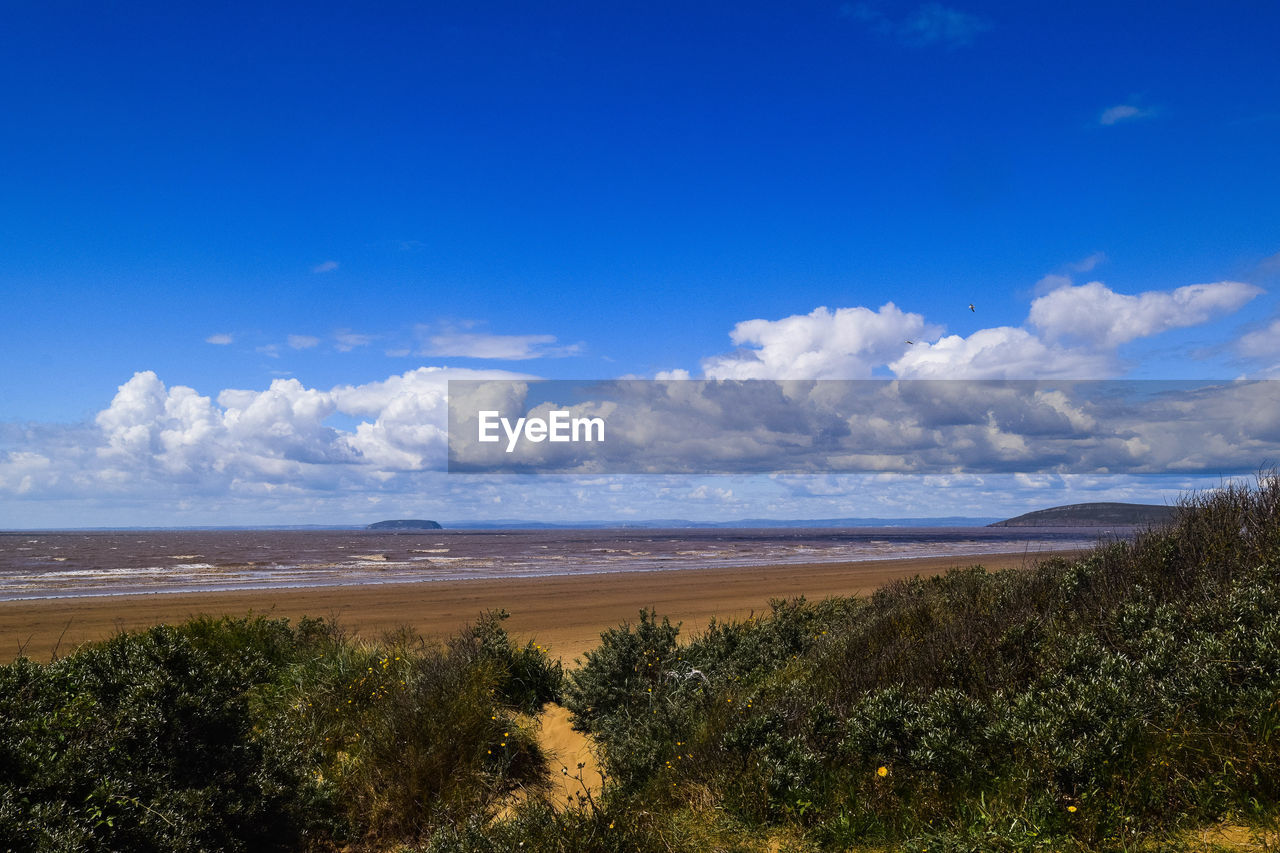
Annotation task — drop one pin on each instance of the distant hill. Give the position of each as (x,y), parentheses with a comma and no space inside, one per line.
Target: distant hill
(405,524)
(1093,515)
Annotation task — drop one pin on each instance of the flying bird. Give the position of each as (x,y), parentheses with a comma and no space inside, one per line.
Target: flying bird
(971,308)
(911,342)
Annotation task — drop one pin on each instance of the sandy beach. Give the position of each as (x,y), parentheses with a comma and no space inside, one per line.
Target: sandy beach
(566,614)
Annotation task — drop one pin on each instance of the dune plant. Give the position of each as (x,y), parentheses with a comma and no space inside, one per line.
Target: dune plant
(254,734)
(1094,703)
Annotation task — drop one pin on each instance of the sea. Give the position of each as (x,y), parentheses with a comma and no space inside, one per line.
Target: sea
(63,564)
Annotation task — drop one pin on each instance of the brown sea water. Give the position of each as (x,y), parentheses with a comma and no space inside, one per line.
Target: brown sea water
(93,563)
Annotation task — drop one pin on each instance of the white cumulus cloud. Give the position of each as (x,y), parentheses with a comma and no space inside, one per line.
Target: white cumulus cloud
(1004,352)
(705,492)
(1096,314)
(152,435)
(1071,331)
(843,344)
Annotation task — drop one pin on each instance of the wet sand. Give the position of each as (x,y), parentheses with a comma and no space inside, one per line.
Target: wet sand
(565,613)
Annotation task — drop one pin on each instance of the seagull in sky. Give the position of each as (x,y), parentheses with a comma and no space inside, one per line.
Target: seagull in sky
(971,308)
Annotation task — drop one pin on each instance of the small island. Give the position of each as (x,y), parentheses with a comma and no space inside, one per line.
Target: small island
(405,524)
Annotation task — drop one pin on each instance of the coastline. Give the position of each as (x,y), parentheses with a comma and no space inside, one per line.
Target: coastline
(564,612)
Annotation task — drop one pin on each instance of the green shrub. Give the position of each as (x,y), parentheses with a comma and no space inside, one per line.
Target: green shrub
(250,734)
(1083,704)
(411,735)
(148,742)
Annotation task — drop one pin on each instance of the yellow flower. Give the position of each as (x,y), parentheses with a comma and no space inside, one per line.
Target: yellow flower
(882,771)
(1071,808)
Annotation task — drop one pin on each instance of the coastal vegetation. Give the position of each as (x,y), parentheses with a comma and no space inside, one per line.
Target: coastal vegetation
(252,734)
(1126,700)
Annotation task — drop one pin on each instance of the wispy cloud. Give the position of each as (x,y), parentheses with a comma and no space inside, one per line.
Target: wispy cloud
(303,341)
(1062,278)
(1087,264)
(505,347)
(931,24)
(1262,343)
(220,339)
(1123,112)
(325,266)
(347,341)
(393,244)
(934,23)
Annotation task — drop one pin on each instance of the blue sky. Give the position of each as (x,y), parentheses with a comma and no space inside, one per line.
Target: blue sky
(329,196)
